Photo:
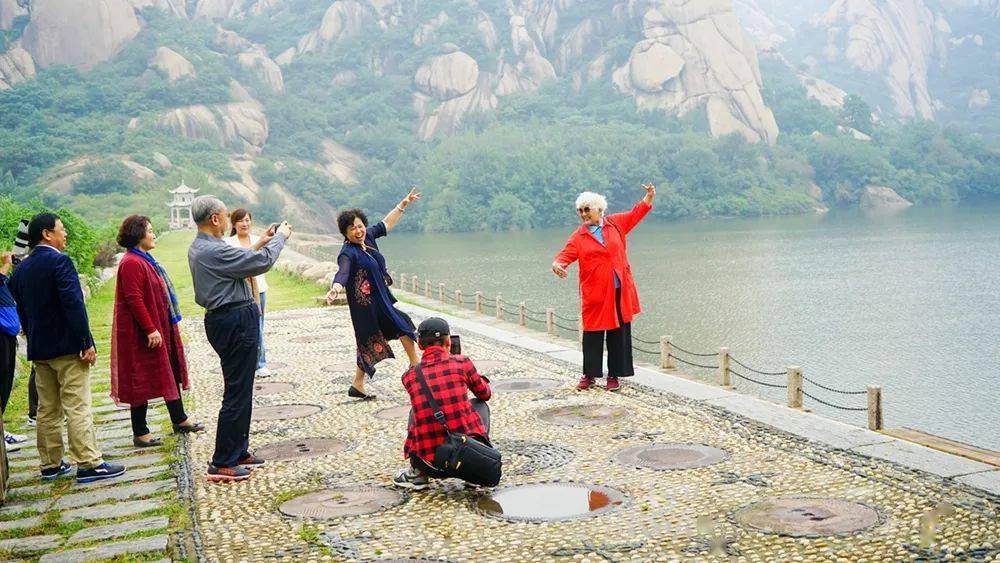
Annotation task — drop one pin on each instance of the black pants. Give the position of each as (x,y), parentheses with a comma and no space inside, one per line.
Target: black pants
(619,347)
(482,408)
(138,412)
(8,363)
(234,334)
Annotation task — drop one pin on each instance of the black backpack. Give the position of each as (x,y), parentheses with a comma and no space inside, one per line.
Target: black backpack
(461,455)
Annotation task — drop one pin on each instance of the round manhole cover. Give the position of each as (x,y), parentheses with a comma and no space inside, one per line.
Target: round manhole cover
(401,412)
(489,366)
(301,448)
(668,456)
(524,384)
(272,388)
(341,501)
(550,502)
(807,517)
(573,415)
(340,367)
(285,412)
(310,339)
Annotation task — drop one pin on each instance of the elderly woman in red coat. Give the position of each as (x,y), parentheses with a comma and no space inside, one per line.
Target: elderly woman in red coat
(607,290)
(147,355)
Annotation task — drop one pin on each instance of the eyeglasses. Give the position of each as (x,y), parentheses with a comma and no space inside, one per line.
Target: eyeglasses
(583,210)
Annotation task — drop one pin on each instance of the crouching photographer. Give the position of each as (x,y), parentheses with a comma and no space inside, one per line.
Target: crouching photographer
(448,434)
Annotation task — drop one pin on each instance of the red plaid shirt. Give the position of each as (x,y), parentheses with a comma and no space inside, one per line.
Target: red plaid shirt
(450,379)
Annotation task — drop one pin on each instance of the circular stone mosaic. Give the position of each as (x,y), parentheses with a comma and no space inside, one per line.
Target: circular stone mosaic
(807,517)
(400,412)
(574,415)
(341,501)
(301,448)
(272,388)
(524,385)
(550,502)
(523,457)
(285,412)
(671,456)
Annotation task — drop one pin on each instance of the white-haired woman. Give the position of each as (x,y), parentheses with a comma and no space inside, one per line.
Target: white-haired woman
(608,296)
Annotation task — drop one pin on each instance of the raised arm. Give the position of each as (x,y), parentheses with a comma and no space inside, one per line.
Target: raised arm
(237,262)
(393,216)
(628,220)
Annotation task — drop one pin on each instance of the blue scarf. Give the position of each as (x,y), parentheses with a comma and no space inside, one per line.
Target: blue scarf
(173,307)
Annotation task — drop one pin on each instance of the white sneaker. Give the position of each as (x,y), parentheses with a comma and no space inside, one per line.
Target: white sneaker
(11,438)
(263,372)
(32,421)
(13,448)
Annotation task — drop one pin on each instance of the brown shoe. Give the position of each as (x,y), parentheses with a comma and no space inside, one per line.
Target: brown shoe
(227,474)
(585,383)
(249,460)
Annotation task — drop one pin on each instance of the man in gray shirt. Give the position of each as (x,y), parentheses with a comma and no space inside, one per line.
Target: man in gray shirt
(220,273)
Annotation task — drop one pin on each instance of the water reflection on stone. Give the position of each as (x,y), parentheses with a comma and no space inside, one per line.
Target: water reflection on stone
(546,502)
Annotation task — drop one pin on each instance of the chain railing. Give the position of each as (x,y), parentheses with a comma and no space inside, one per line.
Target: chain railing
(669,353)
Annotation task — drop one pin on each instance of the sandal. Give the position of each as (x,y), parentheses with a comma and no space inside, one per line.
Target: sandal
(190,429)
(151,443)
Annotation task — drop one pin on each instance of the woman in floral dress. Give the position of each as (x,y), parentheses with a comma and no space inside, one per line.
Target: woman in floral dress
(362,273)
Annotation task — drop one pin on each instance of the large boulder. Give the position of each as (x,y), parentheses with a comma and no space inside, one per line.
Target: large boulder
(342,21)
(822,91)
(16,65)
(447,76)
(265,69)
(79,33)
(898,40)
(239,125)
(9,10)
(882,198)
(695,55)
(171,64)
(218,9)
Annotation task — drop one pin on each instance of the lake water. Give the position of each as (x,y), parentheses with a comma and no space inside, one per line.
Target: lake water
(909,301)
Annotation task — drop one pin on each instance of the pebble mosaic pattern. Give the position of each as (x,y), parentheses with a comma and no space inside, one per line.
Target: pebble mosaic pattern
(670,515)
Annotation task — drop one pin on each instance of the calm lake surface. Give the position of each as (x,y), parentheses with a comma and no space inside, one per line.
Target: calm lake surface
(910,301)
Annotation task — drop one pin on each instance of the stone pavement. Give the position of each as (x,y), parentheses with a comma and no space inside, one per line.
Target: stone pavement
(64,521)
(667,469)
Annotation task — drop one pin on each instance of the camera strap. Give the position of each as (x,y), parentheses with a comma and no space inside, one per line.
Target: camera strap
(435,406)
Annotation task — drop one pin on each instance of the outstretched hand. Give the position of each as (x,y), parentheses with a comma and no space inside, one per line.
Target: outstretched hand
(334,292)
(414,195)
(559,270)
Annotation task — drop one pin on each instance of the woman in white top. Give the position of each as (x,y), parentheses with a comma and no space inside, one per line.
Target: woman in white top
(240,236)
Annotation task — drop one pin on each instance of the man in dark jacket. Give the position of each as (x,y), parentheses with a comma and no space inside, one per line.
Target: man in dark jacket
(50,306)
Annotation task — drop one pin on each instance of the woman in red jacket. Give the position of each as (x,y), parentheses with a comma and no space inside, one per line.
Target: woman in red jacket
(607,290)
(147,355)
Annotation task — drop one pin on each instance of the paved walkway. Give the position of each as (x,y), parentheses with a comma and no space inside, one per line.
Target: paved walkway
(128,517)
(740,487)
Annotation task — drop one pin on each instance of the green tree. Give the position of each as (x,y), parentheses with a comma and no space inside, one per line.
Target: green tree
(857,113)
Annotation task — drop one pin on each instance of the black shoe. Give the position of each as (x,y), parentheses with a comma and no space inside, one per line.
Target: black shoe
(196,427)
(103,471)
(353,392)
(150,443)
(54,473)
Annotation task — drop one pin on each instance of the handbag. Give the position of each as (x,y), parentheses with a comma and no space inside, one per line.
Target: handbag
(461,455)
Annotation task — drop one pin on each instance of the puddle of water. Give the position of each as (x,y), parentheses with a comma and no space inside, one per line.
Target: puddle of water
(547,502)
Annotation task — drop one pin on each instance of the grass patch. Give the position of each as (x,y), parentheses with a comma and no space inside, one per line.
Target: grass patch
(285,496)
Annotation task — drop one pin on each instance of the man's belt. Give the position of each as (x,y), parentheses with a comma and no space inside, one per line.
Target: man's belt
(230,306)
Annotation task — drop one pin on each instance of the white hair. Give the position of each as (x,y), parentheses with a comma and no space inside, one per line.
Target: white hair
(592,200)
(204,206)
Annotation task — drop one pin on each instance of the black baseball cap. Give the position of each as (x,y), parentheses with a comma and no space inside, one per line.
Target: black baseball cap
(434,327)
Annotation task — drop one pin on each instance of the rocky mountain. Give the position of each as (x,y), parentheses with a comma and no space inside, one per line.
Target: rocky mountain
(243,76)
